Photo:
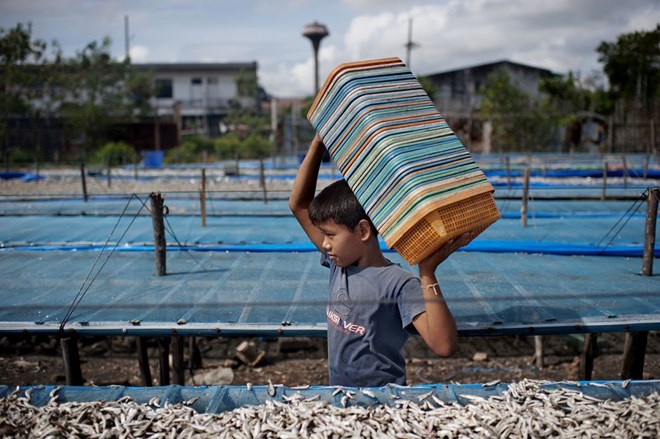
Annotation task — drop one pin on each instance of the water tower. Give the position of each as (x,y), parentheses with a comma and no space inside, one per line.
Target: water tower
(316,32)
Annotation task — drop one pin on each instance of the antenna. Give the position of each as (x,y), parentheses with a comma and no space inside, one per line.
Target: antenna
(410,44)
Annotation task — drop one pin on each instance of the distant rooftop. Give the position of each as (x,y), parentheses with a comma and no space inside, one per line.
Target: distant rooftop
(197,66)
(490,65)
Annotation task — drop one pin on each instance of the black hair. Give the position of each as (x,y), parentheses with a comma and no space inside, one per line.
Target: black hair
(337,202)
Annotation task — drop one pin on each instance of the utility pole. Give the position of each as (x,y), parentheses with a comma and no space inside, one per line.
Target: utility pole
(126,37)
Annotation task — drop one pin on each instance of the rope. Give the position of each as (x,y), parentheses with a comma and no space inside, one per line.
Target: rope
(83,290)
(627,215)
(170,230)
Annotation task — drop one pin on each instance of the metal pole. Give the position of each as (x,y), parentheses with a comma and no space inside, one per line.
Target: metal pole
(508,172)
(538,351)
(159,233)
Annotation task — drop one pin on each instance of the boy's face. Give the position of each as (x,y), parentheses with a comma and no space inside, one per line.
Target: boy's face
(342,245)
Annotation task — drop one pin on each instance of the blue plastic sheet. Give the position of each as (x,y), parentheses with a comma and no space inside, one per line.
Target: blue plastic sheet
(285,294)
(216,399)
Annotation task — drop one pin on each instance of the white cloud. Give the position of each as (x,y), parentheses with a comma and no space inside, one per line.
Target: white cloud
(560,35)
(139,54)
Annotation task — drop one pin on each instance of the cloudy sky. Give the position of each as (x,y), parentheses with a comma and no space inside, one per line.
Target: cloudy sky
(559,35)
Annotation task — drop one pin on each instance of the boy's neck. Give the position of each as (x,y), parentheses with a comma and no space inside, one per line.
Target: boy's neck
(373,256)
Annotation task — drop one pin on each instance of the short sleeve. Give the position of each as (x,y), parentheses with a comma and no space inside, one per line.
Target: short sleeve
(411,301)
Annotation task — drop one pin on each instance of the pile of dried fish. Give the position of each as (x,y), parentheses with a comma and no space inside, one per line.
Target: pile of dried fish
(526,409)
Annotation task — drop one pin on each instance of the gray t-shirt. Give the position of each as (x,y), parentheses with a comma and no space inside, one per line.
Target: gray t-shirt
(370,313)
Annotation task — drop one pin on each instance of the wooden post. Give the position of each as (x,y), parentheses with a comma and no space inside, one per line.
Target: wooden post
(262,180)
(588,354)
(523,205)
(649,231)
(238,162)
(156,130)
(71,359)
(160,247)
(652,143)
(538,351)
(261,172)
(177,361)
(194,355)
(633,355)
(135,169)
(82,179)
(508,172)
(603,193)
(164,360)
(610,135)
(645,172)
(625,172)
(202,198)
(635,348)
(143,362)
(109,177)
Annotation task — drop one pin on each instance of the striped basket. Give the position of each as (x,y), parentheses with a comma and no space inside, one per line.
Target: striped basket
(414,178)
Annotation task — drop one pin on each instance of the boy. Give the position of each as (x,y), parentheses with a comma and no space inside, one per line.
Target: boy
(373,304)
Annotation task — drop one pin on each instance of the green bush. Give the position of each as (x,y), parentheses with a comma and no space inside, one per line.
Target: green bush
(191,150)
(223,148)
(20,157)
(115,154)
(228,145)
(254,147)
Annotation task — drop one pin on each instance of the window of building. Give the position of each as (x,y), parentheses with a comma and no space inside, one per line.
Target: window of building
(196,81)
(163,88)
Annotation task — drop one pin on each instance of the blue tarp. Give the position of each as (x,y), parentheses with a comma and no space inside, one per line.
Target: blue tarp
(153,159)
(493,246)
(24,176)
(216,399)
(217,293)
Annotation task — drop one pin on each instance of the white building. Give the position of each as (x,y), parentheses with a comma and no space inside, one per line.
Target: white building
(199,95)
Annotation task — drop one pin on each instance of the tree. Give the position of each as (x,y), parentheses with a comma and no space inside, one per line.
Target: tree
(19,85)
(632,66)
(93,94)
(519,123)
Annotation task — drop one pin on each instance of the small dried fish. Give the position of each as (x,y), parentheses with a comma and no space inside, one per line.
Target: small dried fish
(525,409)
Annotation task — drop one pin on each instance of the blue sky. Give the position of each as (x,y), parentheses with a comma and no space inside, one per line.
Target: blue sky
(559,35)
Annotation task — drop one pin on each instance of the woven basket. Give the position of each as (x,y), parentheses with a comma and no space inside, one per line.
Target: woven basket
(473,214)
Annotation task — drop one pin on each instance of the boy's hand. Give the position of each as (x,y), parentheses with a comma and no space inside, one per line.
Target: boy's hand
(429,264)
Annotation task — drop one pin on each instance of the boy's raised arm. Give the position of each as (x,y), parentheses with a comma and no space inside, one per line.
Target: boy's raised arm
(437,326)
(304,189)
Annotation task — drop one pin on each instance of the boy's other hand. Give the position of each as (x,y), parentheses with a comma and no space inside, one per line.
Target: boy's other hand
(431,262)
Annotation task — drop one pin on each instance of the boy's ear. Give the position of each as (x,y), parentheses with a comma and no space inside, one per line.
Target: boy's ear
(365,229)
